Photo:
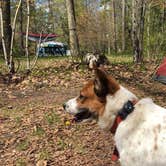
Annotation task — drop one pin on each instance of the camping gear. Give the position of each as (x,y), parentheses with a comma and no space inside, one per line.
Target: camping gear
(160,74)
(43,37)
(52,48)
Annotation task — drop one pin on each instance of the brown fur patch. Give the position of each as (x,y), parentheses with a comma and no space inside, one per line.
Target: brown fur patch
(104,84)
(89,99)
(113,85)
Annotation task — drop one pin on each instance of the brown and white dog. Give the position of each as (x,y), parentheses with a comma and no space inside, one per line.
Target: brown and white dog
(141,137)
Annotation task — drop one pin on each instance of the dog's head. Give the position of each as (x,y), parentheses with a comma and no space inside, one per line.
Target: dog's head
(92,99)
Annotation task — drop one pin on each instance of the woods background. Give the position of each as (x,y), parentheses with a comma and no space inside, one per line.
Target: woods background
(129,27)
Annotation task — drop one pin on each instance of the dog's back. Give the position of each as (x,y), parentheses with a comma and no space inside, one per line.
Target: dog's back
(141,138)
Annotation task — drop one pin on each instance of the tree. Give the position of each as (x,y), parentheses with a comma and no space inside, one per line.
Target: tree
(74,46)
(123,24)
(138,17)
(27,31)
(5,5)
(21,28)
(114,25)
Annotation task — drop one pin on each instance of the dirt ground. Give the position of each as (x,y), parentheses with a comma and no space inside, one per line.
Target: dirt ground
(32,122)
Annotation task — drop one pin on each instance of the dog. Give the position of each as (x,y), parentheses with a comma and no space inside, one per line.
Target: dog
(140,137)
(95,59)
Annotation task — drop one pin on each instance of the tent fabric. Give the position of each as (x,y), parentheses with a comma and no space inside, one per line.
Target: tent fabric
(44,37)
(161,73)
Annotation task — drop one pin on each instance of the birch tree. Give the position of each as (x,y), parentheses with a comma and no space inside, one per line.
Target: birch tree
(26,39)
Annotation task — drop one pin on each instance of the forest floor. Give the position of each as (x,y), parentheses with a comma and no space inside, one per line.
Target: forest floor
(32,122)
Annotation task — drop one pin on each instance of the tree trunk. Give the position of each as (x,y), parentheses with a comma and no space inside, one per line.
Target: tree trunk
(114,26)
(74,46)
(148,30)
(12,66)
(3,38)
(123,24)
(5,4)
(21,29)
(51,15)
(27,31)
(138,16)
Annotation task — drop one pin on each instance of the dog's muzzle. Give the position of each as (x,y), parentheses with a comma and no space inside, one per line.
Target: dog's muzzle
(80,115)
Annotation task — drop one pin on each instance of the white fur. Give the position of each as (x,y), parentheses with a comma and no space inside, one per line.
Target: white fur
(71,106)
(113,105)
(141,137)
(91,59)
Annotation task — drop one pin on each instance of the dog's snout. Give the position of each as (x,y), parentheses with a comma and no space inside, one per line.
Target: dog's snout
(64,106)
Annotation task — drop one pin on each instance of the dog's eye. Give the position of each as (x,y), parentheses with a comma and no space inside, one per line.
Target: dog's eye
(81,97)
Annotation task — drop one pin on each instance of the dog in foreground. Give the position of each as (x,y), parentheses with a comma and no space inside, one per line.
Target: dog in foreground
(139,126)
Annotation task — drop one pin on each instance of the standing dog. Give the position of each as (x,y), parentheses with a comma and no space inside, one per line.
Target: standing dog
(95,59)
(140,137)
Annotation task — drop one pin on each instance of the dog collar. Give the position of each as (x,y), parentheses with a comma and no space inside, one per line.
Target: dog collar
(128,108)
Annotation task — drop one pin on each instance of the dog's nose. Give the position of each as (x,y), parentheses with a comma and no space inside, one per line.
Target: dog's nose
(64,106)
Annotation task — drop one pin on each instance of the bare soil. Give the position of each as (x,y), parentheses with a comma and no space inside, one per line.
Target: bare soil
(33,128)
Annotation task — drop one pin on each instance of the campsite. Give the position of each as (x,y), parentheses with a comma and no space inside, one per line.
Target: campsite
(43,65)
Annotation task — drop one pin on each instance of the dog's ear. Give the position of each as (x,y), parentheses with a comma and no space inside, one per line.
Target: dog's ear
(104,84)
(100,83)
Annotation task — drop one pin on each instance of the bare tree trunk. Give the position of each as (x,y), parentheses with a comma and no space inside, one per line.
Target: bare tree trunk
(135,38)
(114,26)
(21,29)
(138,16)
(142,20)
(3,37)
(72,28)
(123,24)
(11,66)
(148,30)
(26,43)
(109,30)
(5,5)
(51,18)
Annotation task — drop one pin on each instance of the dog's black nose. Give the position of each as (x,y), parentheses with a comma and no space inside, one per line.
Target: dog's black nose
(64,106)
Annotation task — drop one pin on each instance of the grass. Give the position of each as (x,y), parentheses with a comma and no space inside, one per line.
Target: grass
(42,62)
(52,118)
(44,155)
(126,58)
(15,113)
(38,131)
(21,162)
(22,145)
(62,145)
(18,120)
(80,149)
